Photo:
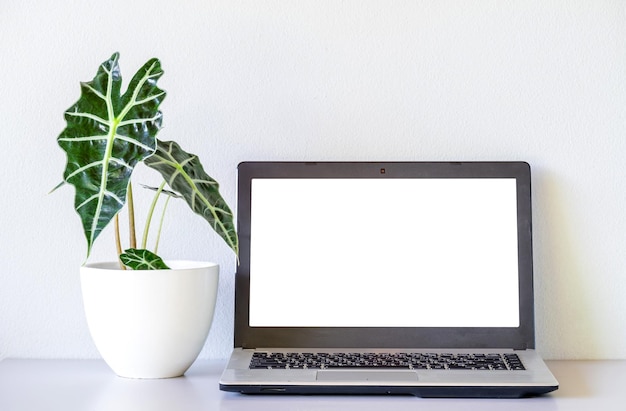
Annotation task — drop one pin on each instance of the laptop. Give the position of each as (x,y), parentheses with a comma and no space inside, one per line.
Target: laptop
(385,278)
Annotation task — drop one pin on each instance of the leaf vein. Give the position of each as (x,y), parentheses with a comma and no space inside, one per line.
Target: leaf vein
(89,116)
(139,120)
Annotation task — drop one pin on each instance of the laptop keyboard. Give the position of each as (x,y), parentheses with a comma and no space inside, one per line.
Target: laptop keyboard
(415,361)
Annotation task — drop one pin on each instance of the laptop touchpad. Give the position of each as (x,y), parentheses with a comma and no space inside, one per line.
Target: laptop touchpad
(382,376)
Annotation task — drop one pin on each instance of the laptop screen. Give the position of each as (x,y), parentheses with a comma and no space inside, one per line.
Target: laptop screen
(384,253)
(332,248)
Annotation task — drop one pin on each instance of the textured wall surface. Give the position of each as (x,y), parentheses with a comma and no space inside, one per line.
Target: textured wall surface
(536,80)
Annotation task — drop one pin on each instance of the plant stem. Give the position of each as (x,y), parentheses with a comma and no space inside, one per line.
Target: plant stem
(131,217)
(156,245)
(146,229)
(118,241)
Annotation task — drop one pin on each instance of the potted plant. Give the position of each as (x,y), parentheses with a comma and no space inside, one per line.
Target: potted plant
(148,317)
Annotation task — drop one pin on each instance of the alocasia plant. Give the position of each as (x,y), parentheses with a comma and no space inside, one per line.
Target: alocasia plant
(108,133)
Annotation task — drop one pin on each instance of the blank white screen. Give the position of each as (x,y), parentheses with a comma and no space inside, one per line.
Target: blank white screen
(384,253)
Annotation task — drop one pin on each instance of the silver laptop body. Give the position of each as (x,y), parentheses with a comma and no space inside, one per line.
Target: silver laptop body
(385,278)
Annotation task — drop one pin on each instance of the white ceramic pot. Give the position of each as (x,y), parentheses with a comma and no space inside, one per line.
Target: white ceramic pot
(149,323)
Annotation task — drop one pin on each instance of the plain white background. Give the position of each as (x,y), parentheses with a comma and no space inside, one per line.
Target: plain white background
(536,80)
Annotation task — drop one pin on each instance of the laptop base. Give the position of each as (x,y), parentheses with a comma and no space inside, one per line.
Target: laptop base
(423,392)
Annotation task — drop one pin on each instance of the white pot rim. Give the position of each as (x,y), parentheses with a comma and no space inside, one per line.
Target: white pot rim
(177,265)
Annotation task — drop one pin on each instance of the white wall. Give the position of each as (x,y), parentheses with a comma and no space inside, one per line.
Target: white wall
(536,80)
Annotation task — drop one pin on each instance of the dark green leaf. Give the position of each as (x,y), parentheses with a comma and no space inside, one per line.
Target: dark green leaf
(106,135)
(185,175)
(142,260)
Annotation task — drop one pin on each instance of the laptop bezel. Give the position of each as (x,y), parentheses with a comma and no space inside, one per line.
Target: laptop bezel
(521,337)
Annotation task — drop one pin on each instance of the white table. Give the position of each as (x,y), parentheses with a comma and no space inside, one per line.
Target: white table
(87,385)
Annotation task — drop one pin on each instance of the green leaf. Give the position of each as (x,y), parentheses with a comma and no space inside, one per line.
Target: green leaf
(185,175)
(107,134)
(137,259)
